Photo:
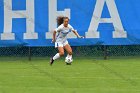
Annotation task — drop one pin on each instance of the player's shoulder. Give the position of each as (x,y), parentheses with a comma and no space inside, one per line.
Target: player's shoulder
(61,26)
(70,26)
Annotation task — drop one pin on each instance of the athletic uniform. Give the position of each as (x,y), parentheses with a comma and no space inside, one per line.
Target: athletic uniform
(61,38)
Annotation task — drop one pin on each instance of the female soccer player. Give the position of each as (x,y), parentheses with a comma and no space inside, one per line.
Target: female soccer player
(64,28)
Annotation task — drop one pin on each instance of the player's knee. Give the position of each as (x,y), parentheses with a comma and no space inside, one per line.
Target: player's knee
(61,53)
(70,53)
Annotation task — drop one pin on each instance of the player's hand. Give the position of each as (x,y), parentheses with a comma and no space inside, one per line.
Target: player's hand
(53,41)
(81,37)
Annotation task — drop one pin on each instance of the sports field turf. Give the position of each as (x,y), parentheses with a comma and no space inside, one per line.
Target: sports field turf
(85,75)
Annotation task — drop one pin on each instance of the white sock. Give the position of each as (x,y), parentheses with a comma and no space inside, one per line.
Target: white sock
(70,56)
(56,56)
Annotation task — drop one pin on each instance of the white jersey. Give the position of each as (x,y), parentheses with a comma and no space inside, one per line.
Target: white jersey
(63,32)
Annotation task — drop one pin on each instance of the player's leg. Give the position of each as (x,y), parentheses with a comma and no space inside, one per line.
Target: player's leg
(59,54)
(68,48)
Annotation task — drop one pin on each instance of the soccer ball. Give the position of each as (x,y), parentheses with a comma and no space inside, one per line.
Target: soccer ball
(68,60)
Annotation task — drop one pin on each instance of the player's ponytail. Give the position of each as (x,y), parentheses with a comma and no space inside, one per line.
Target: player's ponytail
(60,20)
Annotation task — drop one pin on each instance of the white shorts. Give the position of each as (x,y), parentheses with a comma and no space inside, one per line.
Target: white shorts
(61,44)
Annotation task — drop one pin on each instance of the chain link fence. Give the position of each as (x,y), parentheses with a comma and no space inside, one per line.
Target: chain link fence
(80,51)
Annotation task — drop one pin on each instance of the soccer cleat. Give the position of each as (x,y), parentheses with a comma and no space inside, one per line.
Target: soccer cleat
(51,61)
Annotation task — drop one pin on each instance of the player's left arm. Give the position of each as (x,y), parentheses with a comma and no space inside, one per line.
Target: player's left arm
(76,33)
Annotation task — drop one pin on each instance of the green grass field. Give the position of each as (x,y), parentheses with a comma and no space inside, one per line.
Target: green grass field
(85,75)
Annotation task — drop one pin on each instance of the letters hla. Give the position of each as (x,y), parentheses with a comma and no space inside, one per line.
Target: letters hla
(29,14)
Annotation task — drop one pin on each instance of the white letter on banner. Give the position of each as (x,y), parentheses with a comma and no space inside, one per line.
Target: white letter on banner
(9,14)
(115,19)
(53,14)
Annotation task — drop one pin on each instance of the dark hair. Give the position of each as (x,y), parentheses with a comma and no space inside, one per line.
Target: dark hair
(60,20)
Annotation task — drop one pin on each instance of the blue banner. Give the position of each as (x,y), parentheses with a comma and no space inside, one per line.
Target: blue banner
(102,22)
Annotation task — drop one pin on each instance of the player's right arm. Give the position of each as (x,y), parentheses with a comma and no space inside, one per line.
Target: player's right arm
(54,36)
(55,31)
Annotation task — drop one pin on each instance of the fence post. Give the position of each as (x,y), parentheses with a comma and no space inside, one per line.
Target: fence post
(105,52)
(29,54)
